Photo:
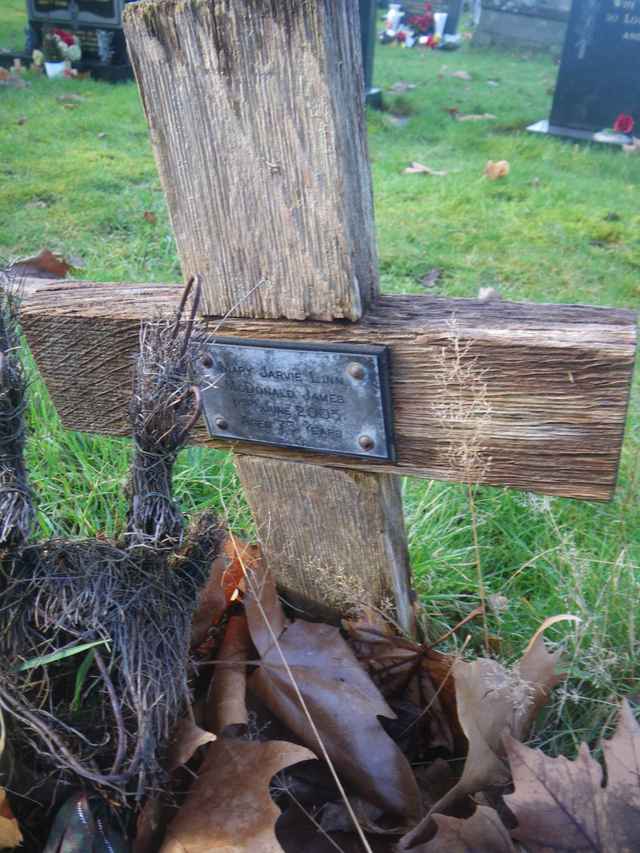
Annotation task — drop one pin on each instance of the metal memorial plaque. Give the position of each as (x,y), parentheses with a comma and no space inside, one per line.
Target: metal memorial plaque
(332,398)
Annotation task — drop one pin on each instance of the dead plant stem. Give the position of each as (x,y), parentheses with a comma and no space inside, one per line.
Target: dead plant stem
(479,574)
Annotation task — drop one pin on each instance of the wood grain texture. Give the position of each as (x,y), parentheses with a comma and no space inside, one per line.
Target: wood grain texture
(257,122)
(332,536)
(540,391)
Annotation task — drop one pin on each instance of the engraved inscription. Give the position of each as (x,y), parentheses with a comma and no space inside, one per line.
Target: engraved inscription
(333,399)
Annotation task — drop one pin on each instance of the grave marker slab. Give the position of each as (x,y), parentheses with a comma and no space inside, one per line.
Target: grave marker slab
(523,24)
(599,75)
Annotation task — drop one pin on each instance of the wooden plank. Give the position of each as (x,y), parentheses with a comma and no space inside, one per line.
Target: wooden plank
(336,537)
(257,123)
(540,391)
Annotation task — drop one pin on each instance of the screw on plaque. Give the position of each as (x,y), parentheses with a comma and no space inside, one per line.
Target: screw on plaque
(366,442)
(207,361)
(221,423)
(355,370)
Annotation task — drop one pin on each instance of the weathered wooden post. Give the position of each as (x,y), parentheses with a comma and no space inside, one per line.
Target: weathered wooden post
(257,123)
(263,160)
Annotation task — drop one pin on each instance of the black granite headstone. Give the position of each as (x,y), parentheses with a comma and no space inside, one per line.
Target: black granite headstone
(454,10)
(368,34)
(599,76)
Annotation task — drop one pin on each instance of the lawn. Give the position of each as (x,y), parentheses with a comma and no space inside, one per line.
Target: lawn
(563,227)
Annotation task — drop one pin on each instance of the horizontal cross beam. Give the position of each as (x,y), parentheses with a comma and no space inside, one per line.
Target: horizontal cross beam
(521,395)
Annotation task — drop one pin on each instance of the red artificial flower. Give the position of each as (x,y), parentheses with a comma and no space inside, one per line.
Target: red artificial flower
(63,35)
(623,124)
(423,22)
(401,36)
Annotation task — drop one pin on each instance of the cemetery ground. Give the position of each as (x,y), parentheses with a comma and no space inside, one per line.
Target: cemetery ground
(78,177)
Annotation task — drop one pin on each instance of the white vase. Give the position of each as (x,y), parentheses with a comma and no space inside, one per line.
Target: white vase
(439,22)
(54,69)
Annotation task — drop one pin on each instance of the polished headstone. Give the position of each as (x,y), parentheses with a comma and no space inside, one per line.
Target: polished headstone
(599,76)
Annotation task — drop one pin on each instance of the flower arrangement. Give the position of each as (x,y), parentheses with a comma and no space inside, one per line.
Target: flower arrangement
(418,29)
(623,124)
(58,46)
(423,24)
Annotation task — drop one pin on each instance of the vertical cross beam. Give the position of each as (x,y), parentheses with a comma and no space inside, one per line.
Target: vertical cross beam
(257,123)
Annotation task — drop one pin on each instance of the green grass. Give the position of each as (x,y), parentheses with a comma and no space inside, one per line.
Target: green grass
(563,227)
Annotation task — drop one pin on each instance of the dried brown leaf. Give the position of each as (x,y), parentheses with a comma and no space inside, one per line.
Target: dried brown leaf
(401,86)
(561,806)
(483,832)
(344,704)
(226,699)
(492,702)
(70,99)
(228,808)
(420,169)
(298,832)
(475,117)
(150,217)
(417,673)
(10,835)
(537,668)
(461,75)
(498,169)
(44,265)
(224,579)
(187,738)
(265,616)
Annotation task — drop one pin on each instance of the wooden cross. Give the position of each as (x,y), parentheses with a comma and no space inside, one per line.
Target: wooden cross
(258,129)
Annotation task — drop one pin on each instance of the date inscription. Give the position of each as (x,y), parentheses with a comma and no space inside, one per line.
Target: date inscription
(333,399)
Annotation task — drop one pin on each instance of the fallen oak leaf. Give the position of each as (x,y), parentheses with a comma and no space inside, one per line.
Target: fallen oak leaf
(561,805)
(265,617)
(402,668)
(158,809)
(474,117)
(461,75)
(483,832)
(344,704)
(401,86)
(420,169)
(339,695)
(70,99)
(228,808)
(498,169)
(187,738)
(225,704)
(537,668)
(493,702)
(10,835)
(150,217)
(44,265)
(225,576)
